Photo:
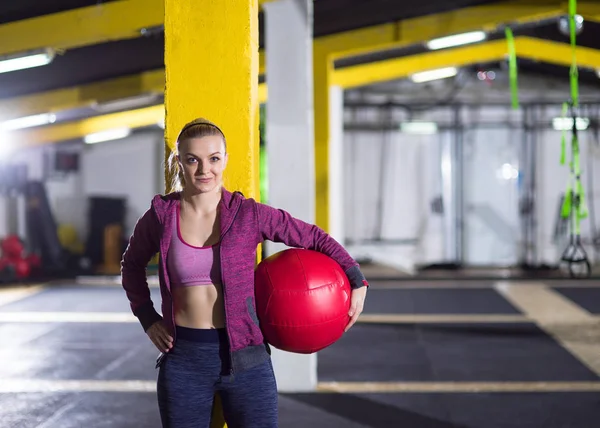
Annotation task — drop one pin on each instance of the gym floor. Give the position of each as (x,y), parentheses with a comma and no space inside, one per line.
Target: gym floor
(426,354)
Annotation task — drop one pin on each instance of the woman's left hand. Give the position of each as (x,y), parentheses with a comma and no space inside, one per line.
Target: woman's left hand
(357,303)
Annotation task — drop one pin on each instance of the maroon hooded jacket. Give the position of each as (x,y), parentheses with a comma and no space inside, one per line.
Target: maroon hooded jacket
(244,224)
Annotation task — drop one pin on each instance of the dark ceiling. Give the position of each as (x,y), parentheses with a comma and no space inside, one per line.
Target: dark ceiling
(110,60)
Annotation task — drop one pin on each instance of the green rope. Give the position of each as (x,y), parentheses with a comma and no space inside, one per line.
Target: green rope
(512,63)
(563,143)
(574,73)
(574,205)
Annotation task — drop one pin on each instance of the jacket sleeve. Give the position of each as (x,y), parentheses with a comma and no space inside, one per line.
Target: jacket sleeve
(278,225)
(143,245)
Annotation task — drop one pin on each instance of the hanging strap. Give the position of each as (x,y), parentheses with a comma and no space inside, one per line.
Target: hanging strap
(512,64)
(563,141)
(574,71)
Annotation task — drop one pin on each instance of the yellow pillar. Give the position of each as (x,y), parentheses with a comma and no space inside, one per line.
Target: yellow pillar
(322,67)
(211,62)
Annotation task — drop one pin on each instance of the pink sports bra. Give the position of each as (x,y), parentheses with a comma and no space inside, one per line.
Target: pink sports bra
(189,265)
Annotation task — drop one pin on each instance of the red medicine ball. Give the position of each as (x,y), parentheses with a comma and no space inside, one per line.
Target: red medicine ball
(302,300)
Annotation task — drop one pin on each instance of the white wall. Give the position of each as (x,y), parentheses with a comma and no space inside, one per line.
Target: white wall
(127,168)
(131,168)
(492,226)
(491,221)
(411,179)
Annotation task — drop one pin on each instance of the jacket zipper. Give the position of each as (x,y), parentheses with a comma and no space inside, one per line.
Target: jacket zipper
(231,368)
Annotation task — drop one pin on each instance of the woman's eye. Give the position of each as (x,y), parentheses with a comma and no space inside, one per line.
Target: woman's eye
(214,159)
(191,160)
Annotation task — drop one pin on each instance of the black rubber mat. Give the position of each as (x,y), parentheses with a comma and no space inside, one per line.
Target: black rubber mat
(437,301)
(450,410)
(79,351)
(29,410)
(83,409)
(468,352)
(587,298)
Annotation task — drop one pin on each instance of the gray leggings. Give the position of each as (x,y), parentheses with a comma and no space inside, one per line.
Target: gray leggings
(195,369)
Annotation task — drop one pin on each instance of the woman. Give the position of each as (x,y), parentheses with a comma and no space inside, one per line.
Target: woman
(209,336)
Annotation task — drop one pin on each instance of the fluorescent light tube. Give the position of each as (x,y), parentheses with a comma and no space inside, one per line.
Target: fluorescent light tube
(424,128)
(37,59)
(456,40)
(128,103)
(566,123)
(108,135)
(441,73)
(27,122)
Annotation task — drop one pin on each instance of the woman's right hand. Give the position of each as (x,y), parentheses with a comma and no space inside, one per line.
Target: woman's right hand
(159,335)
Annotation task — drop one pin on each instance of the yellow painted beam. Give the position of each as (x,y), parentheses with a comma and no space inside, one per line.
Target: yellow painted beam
(136,118)
(226,33)
(322,70)
(125,18)
(72,130)
(420,29)
(398,68)
(84,26)
(556,53)
(350,77)
(105,22)
(84,95)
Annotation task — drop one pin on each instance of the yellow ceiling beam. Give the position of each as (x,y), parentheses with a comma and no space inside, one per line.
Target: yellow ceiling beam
(349,77)
(397,68)
(87,95)
(124,19)
(556,53)
(117,20)
(424,28)
(526,47)
(84,95)
(84,26)
(67,131)
(146,116)
(360,75)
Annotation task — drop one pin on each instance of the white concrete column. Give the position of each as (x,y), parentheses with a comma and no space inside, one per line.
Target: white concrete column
(336,163)
(290,145)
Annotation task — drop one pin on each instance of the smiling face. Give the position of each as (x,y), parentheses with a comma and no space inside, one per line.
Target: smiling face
(202,161)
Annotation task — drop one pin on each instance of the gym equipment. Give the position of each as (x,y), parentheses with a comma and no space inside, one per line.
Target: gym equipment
(574,207)
(102,213)
(14,264)
(302,300)
(41,227)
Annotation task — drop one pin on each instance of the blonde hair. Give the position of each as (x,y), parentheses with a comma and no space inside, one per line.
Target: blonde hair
(197,128)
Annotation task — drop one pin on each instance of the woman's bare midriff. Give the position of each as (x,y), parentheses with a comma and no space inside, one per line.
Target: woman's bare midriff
(199,306)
